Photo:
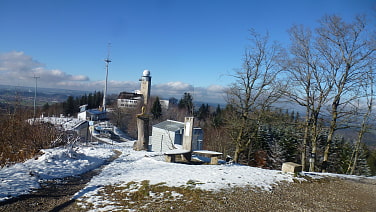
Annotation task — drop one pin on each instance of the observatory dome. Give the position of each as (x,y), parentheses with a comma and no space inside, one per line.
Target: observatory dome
(146,73)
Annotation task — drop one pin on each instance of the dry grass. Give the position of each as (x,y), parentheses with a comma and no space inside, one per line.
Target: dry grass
(311,195)
(141,196)
(21,140)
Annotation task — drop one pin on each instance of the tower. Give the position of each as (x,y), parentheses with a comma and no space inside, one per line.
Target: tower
(107,61)
(145,85)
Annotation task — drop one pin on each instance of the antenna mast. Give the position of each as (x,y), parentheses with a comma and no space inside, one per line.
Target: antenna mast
(35,92)
(107,60)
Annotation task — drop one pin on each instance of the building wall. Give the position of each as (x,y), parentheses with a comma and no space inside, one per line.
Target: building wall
(82,130)
(127,103)
(197,140)
(81,115)
(162,140)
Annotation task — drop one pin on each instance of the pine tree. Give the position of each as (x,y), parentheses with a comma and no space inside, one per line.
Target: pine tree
(203,112)
(156,109)
(217,118)
(90,101)
(186,103)
(69,106)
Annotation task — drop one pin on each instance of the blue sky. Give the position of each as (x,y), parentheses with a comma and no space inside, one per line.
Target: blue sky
(188,46)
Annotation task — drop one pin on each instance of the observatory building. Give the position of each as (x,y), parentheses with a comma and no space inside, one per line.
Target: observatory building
(131,100)
(145,86)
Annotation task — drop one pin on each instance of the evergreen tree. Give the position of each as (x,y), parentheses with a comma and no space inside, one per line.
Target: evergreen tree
(90,101)
(156,109)
(98,98)
(186,102)
(203,112)
(46,107)
(69,106)
(217,119)
(83,100)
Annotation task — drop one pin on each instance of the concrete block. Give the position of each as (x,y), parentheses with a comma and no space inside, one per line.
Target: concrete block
(170,158)
(291,167)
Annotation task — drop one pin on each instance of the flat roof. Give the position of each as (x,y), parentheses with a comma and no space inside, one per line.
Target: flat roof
(170,125)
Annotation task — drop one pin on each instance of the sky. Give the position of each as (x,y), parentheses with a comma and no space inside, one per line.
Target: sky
(188,46)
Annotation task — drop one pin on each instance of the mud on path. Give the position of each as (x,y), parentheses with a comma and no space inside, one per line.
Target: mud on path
(54,195)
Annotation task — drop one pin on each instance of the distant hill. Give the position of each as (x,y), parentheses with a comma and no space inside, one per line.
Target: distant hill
(369,138)
(25,95)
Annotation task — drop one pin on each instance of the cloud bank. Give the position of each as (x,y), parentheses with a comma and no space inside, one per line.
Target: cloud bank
(17,68)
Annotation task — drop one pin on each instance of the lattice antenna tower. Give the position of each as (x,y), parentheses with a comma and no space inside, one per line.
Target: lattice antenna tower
(107,61)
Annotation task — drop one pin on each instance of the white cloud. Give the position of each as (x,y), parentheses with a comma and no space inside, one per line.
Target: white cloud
(213,93)
(216,88)
(171,89)
(175,86)
(17,68)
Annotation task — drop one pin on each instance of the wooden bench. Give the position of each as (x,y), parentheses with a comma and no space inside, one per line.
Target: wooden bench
(171,155)
(210,154)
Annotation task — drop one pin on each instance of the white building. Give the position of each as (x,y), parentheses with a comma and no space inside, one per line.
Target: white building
(128,100)
(131,100)
(91,115)
(168,135)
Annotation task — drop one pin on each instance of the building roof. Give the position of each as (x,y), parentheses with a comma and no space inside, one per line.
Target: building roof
(128,95)
(170,125)
(95,112)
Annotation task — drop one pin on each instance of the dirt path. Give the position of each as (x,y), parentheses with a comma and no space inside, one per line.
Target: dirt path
(325,195)
(54,195)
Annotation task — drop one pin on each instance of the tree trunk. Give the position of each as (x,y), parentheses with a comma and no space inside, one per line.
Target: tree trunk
(237,153)
(361,132)
(305,139)
(333,125)
(312,159)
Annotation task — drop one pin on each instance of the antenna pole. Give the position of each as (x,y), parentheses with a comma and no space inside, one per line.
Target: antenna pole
(107,60)
(35,93)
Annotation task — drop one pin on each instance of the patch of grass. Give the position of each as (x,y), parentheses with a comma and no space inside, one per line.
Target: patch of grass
(142,196)
(192,184)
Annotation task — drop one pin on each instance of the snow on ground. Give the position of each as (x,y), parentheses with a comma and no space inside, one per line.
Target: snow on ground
(316,175)
(59,162)
(68,123)
(131,166)
(137,166)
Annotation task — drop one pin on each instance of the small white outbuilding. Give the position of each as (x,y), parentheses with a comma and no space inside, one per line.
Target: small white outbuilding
(168,135)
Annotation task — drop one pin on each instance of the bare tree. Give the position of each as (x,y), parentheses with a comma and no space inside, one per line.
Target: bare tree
(309,86)
(255,88)
(347,51)
(368,95)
